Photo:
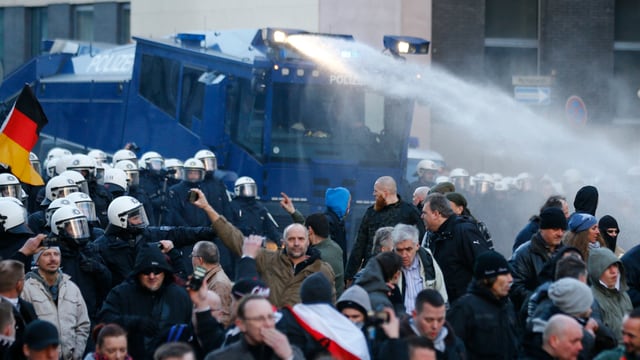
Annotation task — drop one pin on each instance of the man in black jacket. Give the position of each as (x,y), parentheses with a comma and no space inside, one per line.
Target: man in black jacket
(455,243)
(388,210)
(484,318)
(148,304)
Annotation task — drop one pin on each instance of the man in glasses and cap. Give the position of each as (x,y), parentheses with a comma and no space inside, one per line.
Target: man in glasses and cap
(148,303)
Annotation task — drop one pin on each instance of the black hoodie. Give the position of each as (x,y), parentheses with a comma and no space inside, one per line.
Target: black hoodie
(586,200)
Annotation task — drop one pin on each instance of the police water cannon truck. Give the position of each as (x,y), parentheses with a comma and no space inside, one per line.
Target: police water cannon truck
(265,109)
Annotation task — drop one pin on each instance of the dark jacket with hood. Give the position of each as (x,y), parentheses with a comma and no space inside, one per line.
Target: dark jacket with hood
(527,264)
(119,247)
(614,303)
(455,246)
(252,217)
(337,201)
(399,213)
(631,261)
(485,324)
(371,278)
(453,346)
(147,315)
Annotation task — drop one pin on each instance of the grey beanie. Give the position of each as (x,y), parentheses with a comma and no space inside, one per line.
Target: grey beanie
(355,297)
(571,296)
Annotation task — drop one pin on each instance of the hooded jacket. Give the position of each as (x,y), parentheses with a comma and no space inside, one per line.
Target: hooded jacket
(371,279)
(275,267)
(614,303)
(586,200)
(147,314)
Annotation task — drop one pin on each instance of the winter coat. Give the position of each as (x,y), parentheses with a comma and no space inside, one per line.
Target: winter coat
(23,317)
(251,217)
(485,324)
(180,212)
(430,274)
(526,264)
(275,267)
(399,213)
(69,314)
(338,233)
(631,262)
(242,350)
(455,246)
(101,199)
(331,253)
(119,248)
(614,303)
(527,232)
(218,282)
(148,315)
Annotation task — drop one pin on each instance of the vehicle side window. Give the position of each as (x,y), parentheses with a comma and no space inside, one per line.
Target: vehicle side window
(159,82)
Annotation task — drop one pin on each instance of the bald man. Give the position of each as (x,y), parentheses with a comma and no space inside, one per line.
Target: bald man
(388,210)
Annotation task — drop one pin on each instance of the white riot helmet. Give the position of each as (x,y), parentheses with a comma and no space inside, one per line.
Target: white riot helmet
(35,162)
(115,180)
(55,205)
(460,178)
(59,187)
(62,163)
(69,222)
(50,167)
(427,169)
(127,212)
(78,178)
(13,216)
(98,155)
(85,204)
(84,164)
(100,173)
(175,167)
(10,186)
(151,161)
(441,179)
(483,183)
(132,171)
(194,170)
(208,158)
(57,152)
(245,187)
(125,154)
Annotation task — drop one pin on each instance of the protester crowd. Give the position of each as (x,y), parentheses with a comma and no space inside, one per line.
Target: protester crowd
(154,258)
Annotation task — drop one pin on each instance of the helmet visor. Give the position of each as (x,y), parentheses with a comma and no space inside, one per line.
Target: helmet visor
(137,218)
(210,164)
(155,164)
(178,174)
(64,191)
(36,166)
(88,208)
(194,175)
(100,176)
(84,187)
(12,190)
(77,228)
(247,190)
(133,178)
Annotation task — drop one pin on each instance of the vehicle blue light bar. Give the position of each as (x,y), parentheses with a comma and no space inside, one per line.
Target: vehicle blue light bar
(194,40)
(405,45)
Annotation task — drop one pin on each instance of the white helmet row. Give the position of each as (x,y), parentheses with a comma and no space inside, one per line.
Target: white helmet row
(59,187)
(176,167)
(69,221)
(132,171)
(116,177)
(84,164)
(78,179)
(124,154)
(98,155)
(151,160)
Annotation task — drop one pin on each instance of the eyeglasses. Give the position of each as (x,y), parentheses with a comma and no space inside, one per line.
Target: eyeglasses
(151,271)
(262,319)
(192,256)
(613,231)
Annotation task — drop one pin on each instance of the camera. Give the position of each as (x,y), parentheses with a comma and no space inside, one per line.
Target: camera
(377,318)
(157,244)
(195,282)
(192,196)
(51,240)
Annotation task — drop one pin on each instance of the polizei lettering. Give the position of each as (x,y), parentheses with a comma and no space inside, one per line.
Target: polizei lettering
(344,80)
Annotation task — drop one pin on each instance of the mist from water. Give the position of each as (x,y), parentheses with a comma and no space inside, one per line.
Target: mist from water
(507,129)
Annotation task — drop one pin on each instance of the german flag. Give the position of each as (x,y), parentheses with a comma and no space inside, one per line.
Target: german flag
(19,133)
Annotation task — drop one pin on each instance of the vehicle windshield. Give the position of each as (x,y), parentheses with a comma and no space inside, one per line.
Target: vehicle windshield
(326,122)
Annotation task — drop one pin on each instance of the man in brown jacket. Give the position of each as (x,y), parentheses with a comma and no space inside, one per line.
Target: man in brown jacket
(283,270)
(206,255)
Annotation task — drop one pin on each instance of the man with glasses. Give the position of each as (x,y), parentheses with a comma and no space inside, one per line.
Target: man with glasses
(148,303)
(260,338)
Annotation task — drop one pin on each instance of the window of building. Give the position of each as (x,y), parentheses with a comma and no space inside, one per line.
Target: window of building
(192,97)
(626,58)
(39,29)
(159,82)
(511,40)
(83,20)
(124,24)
